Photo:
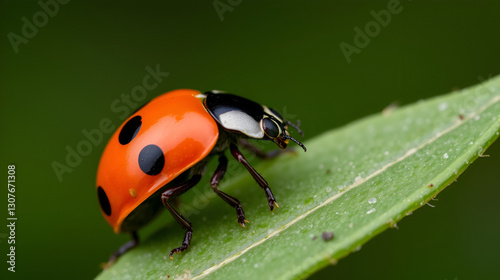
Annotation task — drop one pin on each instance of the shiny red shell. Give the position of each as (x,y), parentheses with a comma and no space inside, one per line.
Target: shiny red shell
(179,125)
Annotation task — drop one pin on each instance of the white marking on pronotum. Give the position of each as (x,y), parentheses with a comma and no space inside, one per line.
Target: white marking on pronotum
(354,185)
(237,120)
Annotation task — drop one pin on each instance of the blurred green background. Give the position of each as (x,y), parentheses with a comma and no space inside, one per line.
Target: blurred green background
(284,54)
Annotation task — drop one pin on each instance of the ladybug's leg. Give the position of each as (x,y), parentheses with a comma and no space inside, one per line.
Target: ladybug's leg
(260,180)
(260,153)
(174,191)
(123,249)
(214,182)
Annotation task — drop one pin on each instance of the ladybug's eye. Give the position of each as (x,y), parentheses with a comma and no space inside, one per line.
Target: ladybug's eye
(270,127)
(104,201)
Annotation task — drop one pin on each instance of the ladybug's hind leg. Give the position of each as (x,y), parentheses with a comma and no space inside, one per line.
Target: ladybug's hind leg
(214,183)
(122,250)
(183,222)
(260,180)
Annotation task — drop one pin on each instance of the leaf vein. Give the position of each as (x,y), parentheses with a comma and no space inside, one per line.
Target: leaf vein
(352,186)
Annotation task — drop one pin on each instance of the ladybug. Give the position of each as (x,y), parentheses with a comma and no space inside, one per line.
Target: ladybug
(161,151)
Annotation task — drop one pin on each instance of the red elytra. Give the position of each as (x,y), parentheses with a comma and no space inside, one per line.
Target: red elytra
(178,124)
(162,150)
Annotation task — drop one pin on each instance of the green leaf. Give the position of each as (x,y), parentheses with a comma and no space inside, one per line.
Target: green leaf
(355,181)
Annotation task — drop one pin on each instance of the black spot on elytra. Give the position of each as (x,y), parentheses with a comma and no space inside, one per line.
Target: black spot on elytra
(104,201)
(130,130)
(151,160)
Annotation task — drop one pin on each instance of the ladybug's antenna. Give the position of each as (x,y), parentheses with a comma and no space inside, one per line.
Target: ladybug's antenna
(296,141)
(296,126)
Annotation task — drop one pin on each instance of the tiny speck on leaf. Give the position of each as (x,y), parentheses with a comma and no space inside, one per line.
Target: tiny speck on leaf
(314,237)
(461,117)
(327,235)
(430,185)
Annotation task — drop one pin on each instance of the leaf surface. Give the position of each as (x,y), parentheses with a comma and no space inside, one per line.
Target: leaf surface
(355,181)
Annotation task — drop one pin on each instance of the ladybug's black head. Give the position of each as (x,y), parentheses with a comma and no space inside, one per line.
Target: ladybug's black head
(277,131)
(238,114)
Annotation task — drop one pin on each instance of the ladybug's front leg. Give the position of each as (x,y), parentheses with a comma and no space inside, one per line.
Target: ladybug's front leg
(214,183)
(174,191)
(260,153)
(260,180)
